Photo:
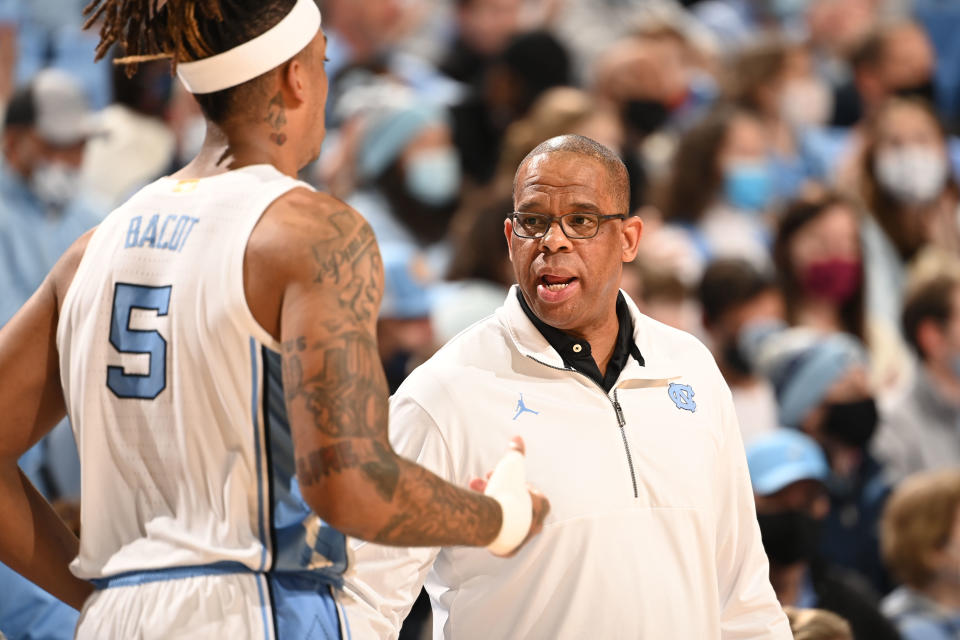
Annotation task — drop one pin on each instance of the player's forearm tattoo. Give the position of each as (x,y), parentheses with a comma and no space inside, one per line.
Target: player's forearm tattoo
(377,462)
(443,512)
(334,379)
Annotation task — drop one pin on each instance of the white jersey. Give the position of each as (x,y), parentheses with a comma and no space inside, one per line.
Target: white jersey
(175,395)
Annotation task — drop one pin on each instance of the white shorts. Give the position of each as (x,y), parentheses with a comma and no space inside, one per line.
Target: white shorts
(203,606)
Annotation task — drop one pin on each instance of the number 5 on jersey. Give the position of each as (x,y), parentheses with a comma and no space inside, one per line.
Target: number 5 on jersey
(126,298)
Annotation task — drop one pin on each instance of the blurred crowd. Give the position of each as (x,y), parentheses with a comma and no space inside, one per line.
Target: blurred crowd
(797,168)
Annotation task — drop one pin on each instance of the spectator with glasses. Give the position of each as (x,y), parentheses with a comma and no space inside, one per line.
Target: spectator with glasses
(630,428)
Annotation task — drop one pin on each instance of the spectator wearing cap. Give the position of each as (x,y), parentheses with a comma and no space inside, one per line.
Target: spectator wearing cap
(404,331)
(789,474)
(921,544)
(733,294)
(42,207)
(822,389)
(406,166)
(922,430)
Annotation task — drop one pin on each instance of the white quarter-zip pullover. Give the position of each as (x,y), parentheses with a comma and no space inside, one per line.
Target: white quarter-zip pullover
(652,532)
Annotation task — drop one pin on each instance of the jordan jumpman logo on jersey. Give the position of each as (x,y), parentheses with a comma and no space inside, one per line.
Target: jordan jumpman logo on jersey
(521,408)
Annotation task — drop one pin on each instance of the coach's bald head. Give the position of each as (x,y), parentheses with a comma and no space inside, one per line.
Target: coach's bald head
(619,179)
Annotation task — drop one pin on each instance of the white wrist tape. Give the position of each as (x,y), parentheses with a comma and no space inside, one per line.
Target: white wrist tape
(508,486)
(255,57)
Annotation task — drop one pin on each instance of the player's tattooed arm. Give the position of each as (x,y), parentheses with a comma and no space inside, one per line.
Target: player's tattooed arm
(336,395)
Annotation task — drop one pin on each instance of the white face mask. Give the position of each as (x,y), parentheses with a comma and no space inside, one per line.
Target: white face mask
(55,183)
(913,174)
(433,176)
(806,102)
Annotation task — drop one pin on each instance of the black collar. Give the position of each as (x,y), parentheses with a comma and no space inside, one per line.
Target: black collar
(576,353)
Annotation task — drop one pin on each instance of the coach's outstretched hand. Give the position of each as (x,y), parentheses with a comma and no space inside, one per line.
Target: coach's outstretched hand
(524,508)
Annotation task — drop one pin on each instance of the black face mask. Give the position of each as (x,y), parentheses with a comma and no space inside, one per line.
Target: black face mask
(789,536)
(733,357)
(926,90)
(645,116)
(852,423)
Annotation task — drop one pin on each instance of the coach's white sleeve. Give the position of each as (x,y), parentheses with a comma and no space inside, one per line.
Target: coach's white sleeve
(748,604)
(384,582)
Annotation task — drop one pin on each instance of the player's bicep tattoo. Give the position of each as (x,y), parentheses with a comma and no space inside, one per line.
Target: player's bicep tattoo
(332,373)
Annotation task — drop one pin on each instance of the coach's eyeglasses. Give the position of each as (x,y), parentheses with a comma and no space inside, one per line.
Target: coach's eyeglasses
(576,226)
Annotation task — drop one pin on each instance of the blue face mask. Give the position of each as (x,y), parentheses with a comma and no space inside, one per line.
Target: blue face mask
(433,177)
(748,185)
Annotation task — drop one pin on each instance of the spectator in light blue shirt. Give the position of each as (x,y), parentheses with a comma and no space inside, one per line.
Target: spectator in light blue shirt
(42,212)
(42,206)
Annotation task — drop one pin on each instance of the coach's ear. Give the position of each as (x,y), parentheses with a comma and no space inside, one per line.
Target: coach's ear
(630,237)
(508,234)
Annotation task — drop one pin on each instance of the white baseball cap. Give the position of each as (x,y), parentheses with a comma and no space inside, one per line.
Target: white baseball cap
(55,105)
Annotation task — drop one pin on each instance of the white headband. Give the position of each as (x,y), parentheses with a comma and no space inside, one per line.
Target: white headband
(254,58)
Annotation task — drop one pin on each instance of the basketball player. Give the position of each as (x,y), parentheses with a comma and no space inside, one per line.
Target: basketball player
(216,491)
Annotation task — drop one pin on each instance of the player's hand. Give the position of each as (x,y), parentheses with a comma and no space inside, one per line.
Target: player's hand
(539,504)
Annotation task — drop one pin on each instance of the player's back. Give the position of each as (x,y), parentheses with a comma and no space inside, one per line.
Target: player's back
(175,396)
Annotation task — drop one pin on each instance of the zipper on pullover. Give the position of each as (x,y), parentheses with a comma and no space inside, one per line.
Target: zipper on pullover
(618,410)
(626,445)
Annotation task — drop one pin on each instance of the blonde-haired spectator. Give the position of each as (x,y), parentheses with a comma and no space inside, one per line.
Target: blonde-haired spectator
(817,624)
(920,534)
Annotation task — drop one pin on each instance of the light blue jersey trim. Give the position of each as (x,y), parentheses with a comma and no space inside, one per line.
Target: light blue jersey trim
(254,406)
(263,608)
(134,578)
(343,616)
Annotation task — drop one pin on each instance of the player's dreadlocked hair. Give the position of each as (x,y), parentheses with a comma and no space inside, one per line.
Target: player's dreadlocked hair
(182,31)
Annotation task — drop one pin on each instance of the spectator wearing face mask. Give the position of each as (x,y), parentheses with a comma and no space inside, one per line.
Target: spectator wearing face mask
(647,80)
(775,79)
(43,206)
(893,59)
(921,544)
(407,170)
(920,432)
(911,194)
(788,472)
(819,261)
(823,390)
(734,295)
(720,190)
